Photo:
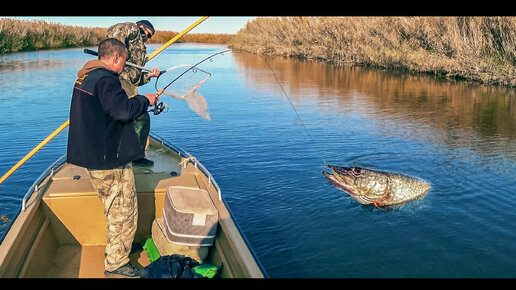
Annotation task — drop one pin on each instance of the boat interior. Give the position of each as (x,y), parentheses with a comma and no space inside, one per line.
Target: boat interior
(61,231)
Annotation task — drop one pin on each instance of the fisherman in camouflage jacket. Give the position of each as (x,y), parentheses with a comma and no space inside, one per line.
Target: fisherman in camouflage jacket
(134,36)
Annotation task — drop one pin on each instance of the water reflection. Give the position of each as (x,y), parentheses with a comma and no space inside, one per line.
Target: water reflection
(457,114)
(28,61)
(21,65)
(454,135)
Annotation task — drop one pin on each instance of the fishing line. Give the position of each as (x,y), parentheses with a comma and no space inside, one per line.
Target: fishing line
(195,101)
(288,98)
(194,67)
(312,140)
(159,107)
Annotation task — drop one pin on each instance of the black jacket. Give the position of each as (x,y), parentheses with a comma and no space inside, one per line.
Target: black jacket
(101,133)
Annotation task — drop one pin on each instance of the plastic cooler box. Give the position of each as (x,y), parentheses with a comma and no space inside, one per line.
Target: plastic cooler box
(189,223)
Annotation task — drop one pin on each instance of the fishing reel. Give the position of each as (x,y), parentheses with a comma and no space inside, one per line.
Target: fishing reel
(159,107)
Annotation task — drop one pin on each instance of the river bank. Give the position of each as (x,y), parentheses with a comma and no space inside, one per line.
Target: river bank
(24,35)
(459,137)
(481,49)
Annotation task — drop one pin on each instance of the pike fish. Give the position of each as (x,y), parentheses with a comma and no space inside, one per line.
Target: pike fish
(382,189)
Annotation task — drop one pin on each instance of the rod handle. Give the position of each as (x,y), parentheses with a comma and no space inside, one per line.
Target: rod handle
(92,52)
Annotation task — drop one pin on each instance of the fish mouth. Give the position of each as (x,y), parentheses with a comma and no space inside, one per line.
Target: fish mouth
(343,175)
(341,178)
(337,183)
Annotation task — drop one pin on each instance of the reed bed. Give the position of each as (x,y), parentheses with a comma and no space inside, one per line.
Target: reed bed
(22,35)
(481,49)
(164,36)
(27,35)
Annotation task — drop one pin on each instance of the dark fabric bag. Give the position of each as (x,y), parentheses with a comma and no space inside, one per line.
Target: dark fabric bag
(172,266)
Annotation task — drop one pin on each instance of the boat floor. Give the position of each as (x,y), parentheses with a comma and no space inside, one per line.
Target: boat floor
(86,261)
(62,232)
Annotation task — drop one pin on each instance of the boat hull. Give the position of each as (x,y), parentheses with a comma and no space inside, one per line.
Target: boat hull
(60,231)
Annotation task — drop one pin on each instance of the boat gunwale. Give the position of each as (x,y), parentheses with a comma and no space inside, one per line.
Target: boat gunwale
(62,160)
(190,158)
(199,165)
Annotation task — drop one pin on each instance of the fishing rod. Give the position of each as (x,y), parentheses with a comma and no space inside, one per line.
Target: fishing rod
(161,106)
(275,77)
(192,67)
(67,122)
(160,91)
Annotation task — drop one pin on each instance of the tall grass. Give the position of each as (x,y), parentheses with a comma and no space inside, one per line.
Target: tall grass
(164,36)
(474,48)
(27,35)
(22,35)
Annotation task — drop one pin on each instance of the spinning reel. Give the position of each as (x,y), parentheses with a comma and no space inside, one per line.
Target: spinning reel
(159,107)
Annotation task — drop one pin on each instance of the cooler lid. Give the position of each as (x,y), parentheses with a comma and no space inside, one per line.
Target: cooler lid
(191,200)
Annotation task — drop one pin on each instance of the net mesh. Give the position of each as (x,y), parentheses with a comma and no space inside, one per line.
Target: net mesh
(182,83)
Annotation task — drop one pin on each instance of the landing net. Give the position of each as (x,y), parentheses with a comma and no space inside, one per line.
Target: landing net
(182,82)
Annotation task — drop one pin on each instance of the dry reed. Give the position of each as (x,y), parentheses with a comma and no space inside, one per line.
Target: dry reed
(27,35)
(164,36)
(21,35)
(482,49)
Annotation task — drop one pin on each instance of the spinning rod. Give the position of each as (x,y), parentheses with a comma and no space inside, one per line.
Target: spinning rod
(192,67)
(159,107)
(67,122)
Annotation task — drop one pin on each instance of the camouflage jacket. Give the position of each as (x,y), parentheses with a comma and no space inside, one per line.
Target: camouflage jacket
(129,33)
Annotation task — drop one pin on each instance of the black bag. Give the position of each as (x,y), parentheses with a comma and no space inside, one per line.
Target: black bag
(172,266)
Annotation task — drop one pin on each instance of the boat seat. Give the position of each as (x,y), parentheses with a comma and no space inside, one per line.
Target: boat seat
(75,202)
(159,182)
(71,180)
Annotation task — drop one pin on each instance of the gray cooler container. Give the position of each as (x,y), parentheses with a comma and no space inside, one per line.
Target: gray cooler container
(166,247)
(189,217)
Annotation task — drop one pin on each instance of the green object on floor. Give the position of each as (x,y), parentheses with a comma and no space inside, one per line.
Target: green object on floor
(151,250)
(205,270)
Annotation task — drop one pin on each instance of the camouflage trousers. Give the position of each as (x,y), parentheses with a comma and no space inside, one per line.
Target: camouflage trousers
(118,194)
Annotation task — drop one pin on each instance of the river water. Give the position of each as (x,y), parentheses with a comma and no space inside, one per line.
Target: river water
(268,158)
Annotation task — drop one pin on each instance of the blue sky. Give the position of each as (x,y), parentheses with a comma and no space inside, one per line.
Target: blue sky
(214,24)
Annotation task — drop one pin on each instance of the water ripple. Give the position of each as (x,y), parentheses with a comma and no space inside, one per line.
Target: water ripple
(460,138)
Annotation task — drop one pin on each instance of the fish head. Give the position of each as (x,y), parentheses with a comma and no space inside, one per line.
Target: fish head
(364,185)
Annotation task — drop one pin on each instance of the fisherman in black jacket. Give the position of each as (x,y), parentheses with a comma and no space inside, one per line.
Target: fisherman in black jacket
(102,139)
